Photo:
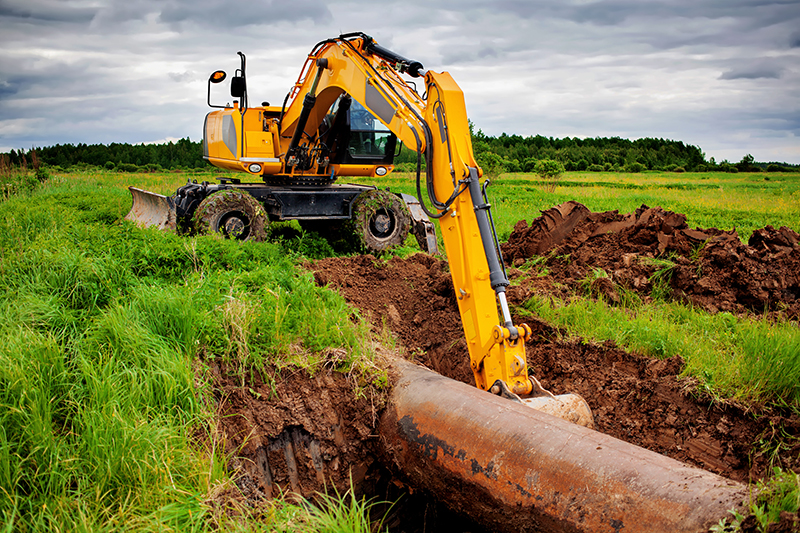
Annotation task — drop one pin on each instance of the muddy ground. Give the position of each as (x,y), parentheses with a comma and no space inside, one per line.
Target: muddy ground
(709,268)
(315,429)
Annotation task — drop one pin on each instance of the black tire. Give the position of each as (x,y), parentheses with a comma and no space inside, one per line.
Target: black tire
(232,214)
(382,220)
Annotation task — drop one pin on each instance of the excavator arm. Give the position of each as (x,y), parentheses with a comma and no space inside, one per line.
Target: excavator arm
(437,127)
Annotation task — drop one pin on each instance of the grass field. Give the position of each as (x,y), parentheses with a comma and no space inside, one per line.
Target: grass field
(744,201)
(101,322)
(100,326)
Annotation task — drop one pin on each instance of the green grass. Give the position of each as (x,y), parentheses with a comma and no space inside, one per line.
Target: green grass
(745,201)
(100,325)
(746,358)
(343,513)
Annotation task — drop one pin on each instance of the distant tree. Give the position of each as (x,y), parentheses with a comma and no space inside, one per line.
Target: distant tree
(550,171)
(491,163)
(747,164)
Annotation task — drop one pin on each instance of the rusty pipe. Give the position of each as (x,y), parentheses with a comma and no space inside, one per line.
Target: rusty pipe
(516,469)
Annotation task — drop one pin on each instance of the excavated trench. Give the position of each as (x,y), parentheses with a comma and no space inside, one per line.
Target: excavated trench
(298,433)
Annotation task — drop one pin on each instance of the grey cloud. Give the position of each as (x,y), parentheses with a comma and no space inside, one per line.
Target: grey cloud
(183,77)
(243,12)
(753,72)
(45,10)
(552,67)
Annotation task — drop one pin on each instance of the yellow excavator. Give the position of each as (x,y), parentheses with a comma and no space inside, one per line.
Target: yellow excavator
(351,107)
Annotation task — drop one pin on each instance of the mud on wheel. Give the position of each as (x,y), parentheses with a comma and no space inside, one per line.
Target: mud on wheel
(232,214)
(382,220)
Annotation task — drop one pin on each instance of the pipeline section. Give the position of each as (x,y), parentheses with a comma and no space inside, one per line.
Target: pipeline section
(517,469)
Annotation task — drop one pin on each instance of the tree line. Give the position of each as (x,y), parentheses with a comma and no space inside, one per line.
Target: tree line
(183,154)
(505,153)
(514,153)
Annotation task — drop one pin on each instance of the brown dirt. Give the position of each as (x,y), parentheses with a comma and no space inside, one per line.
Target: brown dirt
(293,432)
(710,268)
(634,398)
(290,432)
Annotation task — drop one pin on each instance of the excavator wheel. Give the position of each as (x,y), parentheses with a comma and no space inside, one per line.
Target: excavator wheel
(232,214)
(382,220)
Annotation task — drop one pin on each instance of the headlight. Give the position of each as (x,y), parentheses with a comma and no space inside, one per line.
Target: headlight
(255,168)
(380,171)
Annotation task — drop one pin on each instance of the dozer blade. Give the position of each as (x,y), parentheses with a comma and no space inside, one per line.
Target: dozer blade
(151,209)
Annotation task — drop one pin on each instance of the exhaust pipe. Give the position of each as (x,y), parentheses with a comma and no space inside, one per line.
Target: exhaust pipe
(151,209)
(516,469)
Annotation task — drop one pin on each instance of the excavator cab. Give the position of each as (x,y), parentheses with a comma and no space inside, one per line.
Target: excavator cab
(356,136)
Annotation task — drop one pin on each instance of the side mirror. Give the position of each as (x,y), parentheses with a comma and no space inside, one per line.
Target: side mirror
(237,86)
(217,76)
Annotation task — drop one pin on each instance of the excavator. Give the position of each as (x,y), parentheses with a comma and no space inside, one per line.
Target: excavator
(352,106)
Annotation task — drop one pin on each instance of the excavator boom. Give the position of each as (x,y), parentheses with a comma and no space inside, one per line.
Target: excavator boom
(438,128)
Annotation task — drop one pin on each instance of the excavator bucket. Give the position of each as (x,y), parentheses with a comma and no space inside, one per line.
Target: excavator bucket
(151,209)
(570,407)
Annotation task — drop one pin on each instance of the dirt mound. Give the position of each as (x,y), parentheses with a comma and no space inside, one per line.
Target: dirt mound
(636,399)
(653,249)
(413,298)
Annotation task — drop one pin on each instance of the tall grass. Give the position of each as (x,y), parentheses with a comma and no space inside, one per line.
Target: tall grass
(747,358)
(100,325)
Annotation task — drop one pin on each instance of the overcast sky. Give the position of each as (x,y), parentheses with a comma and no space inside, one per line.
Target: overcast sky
(723,75)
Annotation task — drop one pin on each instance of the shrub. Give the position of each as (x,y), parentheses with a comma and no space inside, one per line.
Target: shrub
(550,171)
(127,167)
(491,163)
(634,167)
(512,165)
(529,164)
